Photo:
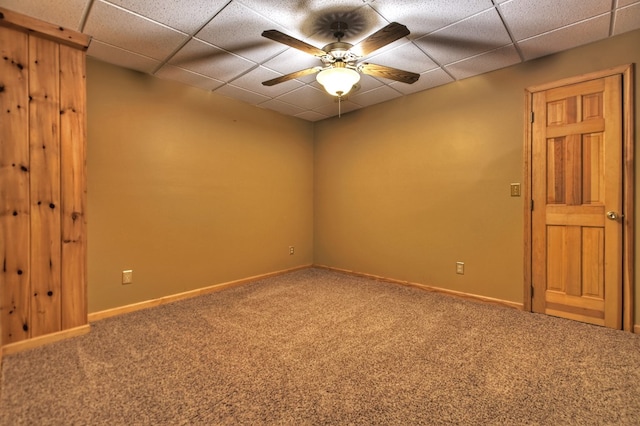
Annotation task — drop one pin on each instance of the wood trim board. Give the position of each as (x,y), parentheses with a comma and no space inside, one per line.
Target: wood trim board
(44,29)
(100,315)
(469,296)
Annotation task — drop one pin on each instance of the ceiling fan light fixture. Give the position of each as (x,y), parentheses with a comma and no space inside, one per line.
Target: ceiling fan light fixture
(338,81)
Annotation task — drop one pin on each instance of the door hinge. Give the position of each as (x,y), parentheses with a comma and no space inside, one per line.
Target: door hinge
(532,117)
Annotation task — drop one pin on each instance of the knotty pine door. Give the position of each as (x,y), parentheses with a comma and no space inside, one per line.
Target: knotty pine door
(576,190)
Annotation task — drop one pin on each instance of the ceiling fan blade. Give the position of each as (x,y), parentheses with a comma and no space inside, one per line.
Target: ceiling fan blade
(283,38)
(380,38)
(291,76)
(389,73)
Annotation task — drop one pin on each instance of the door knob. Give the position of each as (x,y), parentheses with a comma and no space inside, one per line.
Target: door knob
(611,215)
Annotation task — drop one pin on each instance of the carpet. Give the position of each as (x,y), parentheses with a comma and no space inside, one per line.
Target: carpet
(319,347)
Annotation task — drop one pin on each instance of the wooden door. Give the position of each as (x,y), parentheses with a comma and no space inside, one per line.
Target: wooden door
(576,190)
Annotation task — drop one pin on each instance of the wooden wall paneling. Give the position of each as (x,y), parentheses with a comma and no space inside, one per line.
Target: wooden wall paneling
(44,140)
(14,188)
(74,186)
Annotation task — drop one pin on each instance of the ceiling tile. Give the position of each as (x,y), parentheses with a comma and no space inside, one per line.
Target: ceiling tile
(124,58)
(217,44)
(627,19)
(485,62)
(566,37)
(254,78)
(238,29)
(406,57)
(333,108)
(186,15)
(307,97)
(311,116)
(380,94)
(247,96)
(188,77)
(423,17)
(292,60)
(65,13)
(282,107)
(208,60)
(428,80)
(526,18)
(121,28)
(304,18)
(360,24)
(480,33)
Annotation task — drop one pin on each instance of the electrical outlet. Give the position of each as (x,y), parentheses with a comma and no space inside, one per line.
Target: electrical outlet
(292,250)
(127,276)
(460,268)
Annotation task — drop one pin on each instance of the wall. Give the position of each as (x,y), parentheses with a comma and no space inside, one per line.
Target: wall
(406,188)
(189,189)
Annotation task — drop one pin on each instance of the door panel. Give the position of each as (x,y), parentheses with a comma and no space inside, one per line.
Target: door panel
(576,180)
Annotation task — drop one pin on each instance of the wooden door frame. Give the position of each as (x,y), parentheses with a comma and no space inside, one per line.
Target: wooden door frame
(628,187)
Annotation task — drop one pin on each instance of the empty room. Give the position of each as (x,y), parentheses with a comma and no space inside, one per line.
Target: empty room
(319,212)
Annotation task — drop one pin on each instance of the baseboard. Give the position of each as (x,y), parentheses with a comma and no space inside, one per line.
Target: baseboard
(96,316)
(636,329)
(455,293)
(34,342)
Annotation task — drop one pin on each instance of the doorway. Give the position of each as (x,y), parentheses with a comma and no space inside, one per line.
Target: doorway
(579,199)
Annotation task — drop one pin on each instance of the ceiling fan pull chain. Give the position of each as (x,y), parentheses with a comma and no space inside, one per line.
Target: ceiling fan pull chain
(339,106)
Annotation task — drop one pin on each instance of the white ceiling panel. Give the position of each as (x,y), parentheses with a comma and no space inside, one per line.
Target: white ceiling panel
(423,17)
(307,97)
(186,15)
(211,61)
(65,13)
(282,107)
(626,19)
(223,31)
(127,30)
(526,18)
(405,57)
(305,18)
(311,116)
(375,96)
(254,78)
(247,96)
(428,80)
(217,44)
(477,34)
(124,58)
(566,37)
(501,57)
(190,78)
(333,108)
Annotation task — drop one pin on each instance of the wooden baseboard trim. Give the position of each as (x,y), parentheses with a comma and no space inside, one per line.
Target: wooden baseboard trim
(455,293)
(34,342)
(636,329)
(100,315)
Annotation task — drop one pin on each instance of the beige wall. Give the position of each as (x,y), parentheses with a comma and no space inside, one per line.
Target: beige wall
(406,188)
(189,189)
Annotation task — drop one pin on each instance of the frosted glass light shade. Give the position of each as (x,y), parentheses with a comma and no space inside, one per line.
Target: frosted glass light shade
(338,81)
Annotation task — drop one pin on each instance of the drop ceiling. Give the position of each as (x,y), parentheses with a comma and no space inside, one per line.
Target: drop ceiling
(216,45)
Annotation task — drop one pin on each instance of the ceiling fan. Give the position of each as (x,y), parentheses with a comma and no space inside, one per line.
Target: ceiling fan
(340,69)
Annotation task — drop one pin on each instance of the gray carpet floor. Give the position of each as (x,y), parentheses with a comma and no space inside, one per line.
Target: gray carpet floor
(319,347)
